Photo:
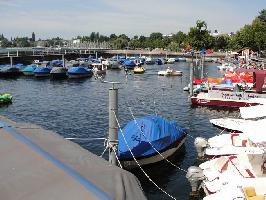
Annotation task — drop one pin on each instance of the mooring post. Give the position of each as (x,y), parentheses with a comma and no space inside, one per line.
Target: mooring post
(63,59)
(202,66)
(11,61)
(113,136)
(96,55)
(191,79)
(17,53)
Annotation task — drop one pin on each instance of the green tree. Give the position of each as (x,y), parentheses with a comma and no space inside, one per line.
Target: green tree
(124,37)
(113,36)
(179,38)
(4,43)
(156,36)
(262,15)
(252,36)
(221,42)
(173,46)
(120,43)
(22,42)
(199,37)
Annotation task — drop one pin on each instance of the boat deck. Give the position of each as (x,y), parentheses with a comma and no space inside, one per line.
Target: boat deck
(40,164)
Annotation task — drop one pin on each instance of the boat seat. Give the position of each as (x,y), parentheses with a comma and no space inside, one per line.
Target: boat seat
(250,194)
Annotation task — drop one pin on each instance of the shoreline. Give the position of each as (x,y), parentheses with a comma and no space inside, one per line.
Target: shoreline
(159,53)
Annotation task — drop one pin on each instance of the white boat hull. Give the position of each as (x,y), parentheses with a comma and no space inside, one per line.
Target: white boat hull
(153,159)
(168,73)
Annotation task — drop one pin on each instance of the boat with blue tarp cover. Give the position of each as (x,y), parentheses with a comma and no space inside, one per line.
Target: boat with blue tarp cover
(129,64)
(58,72)
(158,61)
(42,72)
(8,71)
(79,72)
(29,70)
(146,137)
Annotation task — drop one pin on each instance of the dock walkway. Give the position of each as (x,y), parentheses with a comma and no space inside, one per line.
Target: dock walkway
(40,164)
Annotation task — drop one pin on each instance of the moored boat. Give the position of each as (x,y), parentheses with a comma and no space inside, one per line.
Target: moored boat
(149,61)
(29,70)
(138,70)
(129,64)
(146,137)
(79,72)
(8,71)
(42,72)
(58,73)
(170,60)
(99,69)
(169,72)
(115,65)
(236,96)
(158,61)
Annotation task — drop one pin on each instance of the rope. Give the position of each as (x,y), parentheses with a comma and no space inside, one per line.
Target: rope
(114,150)
(85,139)
(104,151)
(137,161)
(152,144)
(222,131)
(191,136)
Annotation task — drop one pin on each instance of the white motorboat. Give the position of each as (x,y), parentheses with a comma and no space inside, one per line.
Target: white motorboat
(257,111)
(170,60)
(98,69)
(169,72)
(249,188)
(236,124)
(235,143)
(250,138)
(149,61)
(237,171)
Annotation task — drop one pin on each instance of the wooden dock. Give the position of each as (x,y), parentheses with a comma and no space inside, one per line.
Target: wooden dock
(40,164)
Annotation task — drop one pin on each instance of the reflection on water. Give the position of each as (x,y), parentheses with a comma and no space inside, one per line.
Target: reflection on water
(78,108)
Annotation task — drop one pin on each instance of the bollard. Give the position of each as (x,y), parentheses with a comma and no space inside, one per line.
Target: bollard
(113,135)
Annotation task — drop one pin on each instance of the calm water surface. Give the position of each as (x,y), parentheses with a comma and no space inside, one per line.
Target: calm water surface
(78,108)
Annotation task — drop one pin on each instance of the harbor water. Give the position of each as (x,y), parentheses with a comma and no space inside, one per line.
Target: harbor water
(79,109)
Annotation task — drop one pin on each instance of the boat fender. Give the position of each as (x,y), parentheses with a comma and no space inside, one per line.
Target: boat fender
(200,144)
(244,143)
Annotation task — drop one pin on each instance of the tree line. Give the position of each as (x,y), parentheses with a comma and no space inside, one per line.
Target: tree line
(251,35)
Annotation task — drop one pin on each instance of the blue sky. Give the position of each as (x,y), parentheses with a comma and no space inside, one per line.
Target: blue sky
(69,18)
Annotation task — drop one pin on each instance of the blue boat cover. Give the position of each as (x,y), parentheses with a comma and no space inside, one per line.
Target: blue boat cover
(160,132)
(79,70)
(19,65)
(158,61)
(42,70)
(29,68)
(129,63)
(55,62)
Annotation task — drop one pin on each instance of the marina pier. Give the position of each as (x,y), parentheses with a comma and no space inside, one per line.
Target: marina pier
(40,164)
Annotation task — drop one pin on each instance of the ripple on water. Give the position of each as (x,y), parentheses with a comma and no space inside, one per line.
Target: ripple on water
(78,108)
